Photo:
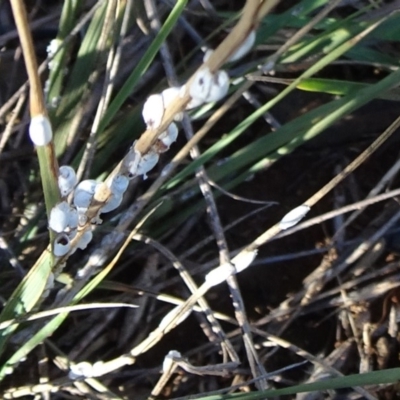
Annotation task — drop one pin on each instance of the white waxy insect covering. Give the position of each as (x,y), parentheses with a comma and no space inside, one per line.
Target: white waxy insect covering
(193,103)
(169,136)
(147,163)
(219,87)
(113,203)
(245,47)
(119,184)
(294,216)
(81,370)
(169,359)
(84,193)
(201,85)
(207,55)
(40,130)
(131,161)
(61,245)
(66,180)
(63,217)
(153,111)
(207,87)
(244,259)
(169,95)
(140,165)
(220,274)
(85,239)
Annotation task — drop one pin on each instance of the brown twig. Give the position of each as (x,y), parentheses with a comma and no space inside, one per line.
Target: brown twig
(47,159)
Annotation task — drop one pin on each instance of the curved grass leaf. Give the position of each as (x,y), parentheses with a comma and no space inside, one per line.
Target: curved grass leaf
(245,124)
(71,100)
(68,19)
(26,295)
(371,378)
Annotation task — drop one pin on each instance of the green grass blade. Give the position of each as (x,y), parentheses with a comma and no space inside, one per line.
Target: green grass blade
(49,176)
(26,295)
(342,88)
(371,378)
(79,80)
(56,76)
(303,128)
(51,326)
(143,64)
(245,124)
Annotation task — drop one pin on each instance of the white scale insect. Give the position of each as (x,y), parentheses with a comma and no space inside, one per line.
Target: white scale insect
(140,165)
(84,194)
(167,137)
(294,216)
(40,130)
(66,180)
(61,245)
(63,217)
(207,87)
(243,49)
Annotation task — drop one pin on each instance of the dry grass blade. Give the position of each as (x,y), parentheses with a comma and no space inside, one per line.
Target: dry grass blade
(270,233)
(46,153)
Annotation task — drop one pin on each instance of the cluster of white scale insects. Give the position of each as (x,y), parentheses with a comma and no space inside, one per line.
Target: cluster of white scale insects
(67,216)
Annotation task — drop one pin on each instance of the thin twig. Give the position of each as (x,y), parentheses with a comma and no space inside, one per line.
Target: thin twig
(359,205)
(10,124)
(5,108)
(273,231)
(171,75)
(47,160)
(372,194)
(104,40)
(319,281)
(190,283)
(36,98)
